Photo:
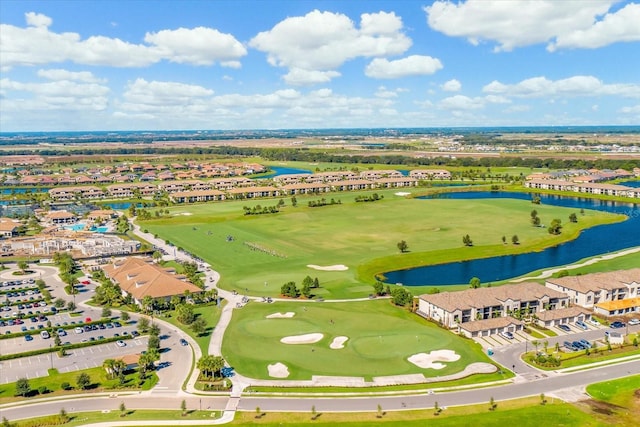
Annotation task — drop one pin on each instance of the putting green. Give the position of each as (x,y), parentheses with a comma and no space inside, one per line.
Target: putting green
(380,339)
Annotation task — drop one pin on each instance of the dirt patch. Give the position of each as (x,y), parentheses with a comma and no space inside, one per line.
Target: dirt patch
(600,407)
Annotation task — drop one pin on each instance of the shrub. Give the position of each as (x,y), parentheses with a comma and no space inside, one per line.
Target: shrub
(43,390)
(65,386)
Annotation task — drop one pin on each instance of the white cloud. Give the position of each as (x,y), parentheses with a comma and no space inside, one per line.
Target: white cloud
(36,44)
(621,26)
(198,46)
(323,41)
(631,110)
(80,76)
(64,95)
(461,102)
(513,24)
(37,20)
(414,65)
(301,77)
(537,87)
(452,85)
(158,93)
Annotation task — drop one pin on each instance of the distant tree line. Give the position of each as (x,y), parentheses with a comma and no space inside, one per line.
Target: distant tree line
(306,154)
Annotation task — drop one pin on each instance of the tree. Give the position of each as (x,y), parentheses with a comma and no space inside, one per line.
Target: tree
(71,306)
(403,246)
(106,312)
(143,325)
(555,227)
(515,240)
(535,219)
(306,290)
(400,296)
(147,303)
(199,326)
(573,218)
(83,381)
(58,303)
(63,416)
(294,201)
(504,240)
(23,266)
(124,316)
(378,288)
(492,404)
(157,256)
(289,289)
(153,342)
(123,409)
(379,411)
(154,330)
(185,314)
(23,388)
(183,407)
(210,365)
(466,240)
(474,282)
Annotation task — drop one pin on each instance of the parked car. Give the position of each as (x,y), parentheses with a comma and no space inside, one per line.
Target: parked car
(579,345)
(120,343)
(28,337)
(634,322)
(183,342)
(594,322)
(78,330)
(582,325)
(506,334)
(585,343)
(569,346)
(617,325)
(564,328)
(45,335)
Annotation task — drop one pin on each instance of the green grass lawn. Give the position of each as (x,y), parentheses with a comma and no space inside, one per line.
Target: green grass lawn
(99,383)
(362,236)
(618,391)
(381,338)
(211,315)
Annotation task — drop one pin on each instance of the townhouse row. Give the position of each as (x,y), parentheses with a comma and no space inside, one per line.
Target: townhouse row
(488,311)
(584,188)
(189,191)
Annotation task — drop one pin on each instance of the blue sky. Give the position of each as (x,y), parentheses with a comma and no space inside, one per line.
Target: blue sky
(262,64)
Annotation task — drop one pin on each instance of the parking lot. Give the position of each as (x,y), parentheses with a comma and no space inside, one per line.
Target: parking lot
(496,340)
(76,359)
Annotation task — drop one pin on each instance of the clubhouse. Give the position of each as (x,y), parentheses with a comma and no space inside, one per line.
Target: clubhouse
(140,278)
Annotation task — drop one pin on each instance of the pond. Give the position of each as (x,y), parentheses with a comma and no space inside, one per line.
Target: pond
(591,242)
(278,170)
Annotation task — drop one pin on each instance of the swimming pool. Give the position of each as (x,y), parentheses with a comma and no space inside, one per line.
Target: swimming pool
(81,227)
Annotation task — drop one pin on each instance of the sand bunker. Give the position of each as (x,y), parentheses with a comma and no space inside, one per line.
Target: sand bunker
(278,370)
(338,342)
(337,267)
(401,193)
(430,361)
(302,339)
(183,213)
(286,315)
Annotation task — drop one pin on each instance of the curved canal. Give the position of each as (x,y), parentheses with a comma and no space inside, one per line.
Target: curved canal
(593,241)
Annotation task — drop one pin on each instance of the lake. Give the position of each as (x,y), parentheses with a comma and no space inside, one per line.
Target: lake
(591,242)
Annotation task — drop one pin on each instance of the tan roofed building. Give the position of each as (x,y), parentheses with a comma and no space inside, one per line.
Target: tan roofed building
(140,278)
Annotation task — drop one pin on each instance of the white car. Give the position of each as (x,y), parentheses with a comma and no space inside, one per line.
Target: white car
(594,322)
(120,343)
(634,322)
(78,330)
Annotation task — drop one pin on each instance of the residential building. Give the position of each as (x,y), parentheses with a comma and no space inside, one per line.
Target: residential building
(588,290)
(454,308)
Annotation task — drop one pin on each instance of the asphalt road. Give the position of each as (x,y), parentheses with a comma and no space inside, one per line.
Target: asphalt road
(156,400)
